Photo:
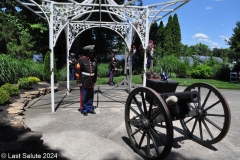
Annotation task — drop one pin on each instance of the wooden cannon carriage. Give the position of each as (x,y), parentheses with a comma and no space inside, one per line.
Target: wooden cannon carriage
(202,110)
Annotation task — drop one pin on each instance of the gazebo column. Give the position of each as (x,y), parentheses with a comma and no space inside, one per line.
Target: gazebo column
(51,46)
(66,29)
(130,70)
(144,67)
(147,31)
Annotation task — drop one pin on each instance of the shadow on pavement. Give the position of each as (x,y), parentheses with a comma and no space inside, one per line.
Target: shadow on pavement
(181,131)
(10,146)
(172,155)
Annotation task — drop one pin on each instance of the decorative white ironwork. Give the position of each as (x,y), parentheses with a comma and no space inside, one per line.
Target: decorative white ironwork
(140,17)
(76,28)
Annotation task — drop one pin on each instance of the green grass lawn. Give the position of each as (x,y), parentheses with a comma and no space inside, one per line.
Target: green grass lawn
(182,82)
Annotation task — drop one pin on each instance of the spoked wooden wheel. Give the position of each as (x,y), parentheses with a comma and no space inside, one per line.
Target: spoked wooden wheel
(211,117)
(148,124)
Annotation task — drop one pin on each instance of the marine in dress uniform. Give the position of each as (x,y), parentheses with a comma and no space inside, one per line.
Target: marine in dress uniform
(86,74)
(112,67)
(72,66)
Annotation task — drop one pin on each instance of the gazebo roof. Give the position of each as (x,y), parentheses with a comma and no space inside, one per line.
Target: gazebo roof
(122,17)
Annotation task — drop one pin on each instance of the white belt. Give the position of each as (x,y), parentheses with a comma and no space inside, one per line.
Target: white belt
(88,74)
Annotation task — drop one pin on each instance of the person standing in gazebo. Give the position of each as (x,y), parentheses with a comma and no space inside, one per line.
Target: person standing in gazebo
(72,66)
(86,74)
(112,67)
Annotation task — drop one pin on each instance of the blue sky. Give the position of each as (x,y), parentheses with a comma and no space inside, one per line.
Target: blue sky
(207,21)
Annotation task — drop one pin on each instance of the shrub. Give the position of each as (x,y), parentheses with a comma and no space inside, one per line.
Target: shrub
(135,72)
(202,71)
(9,69)
(182,69)
(30,68)
(63,74)
(35,80)
(11,89)
(4,96)
(47,69)
(215,65)
(120,64)
(12,69)
(25,83)
(171,65)
(223,74)
(103,70)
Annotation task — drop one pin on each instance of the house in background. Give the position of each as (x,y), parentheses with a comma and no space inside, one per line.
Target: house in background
(202,59)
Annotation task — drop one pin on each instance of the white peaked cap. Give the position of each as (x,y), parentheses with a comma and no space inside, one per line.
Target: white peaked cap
(89,47)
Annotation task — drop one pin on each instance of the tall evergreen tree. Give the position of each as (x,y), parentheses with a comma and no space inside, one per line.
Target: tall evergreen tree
(168,40)
(176,36)
(159,48)
(152,35)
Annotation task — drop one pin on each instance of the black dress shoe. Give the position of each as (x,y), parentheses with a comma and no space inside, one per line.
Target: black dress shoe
(85,114)
(79,110)
(93,112)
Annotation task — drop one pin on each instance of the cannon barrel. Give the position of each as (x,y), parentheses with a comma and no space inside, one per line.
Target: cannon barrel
(187,97)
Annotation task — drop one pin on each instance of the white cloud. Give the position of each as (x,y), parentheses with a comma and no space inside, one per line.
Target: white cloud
(203,38)
(209,7)
(200,36)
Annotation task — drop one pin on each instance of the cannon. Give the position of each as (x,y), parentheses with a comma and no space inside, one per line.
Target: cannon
(202,110)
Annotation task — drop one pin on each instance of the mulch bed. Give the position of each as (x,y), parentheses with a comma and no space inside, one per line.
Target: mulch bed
(9,134)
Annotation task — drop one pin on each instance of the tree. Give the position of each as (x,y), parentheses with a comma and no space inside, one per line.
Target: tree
(8,6)
(232,55)
(14,37)
(159,45)
(234,41)
(184,50)
(168,42)
(202,49)
(22,32)
(152,35)
(176,36)
(222,53)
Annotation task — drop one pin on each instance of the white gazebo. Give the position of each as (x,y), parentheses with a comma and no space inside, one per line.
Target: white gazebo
(130,19)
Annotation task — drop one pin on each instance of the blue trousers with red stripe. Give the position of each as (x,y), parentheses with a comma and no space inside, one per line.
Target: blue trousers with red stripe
(111,77)
(86,99)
